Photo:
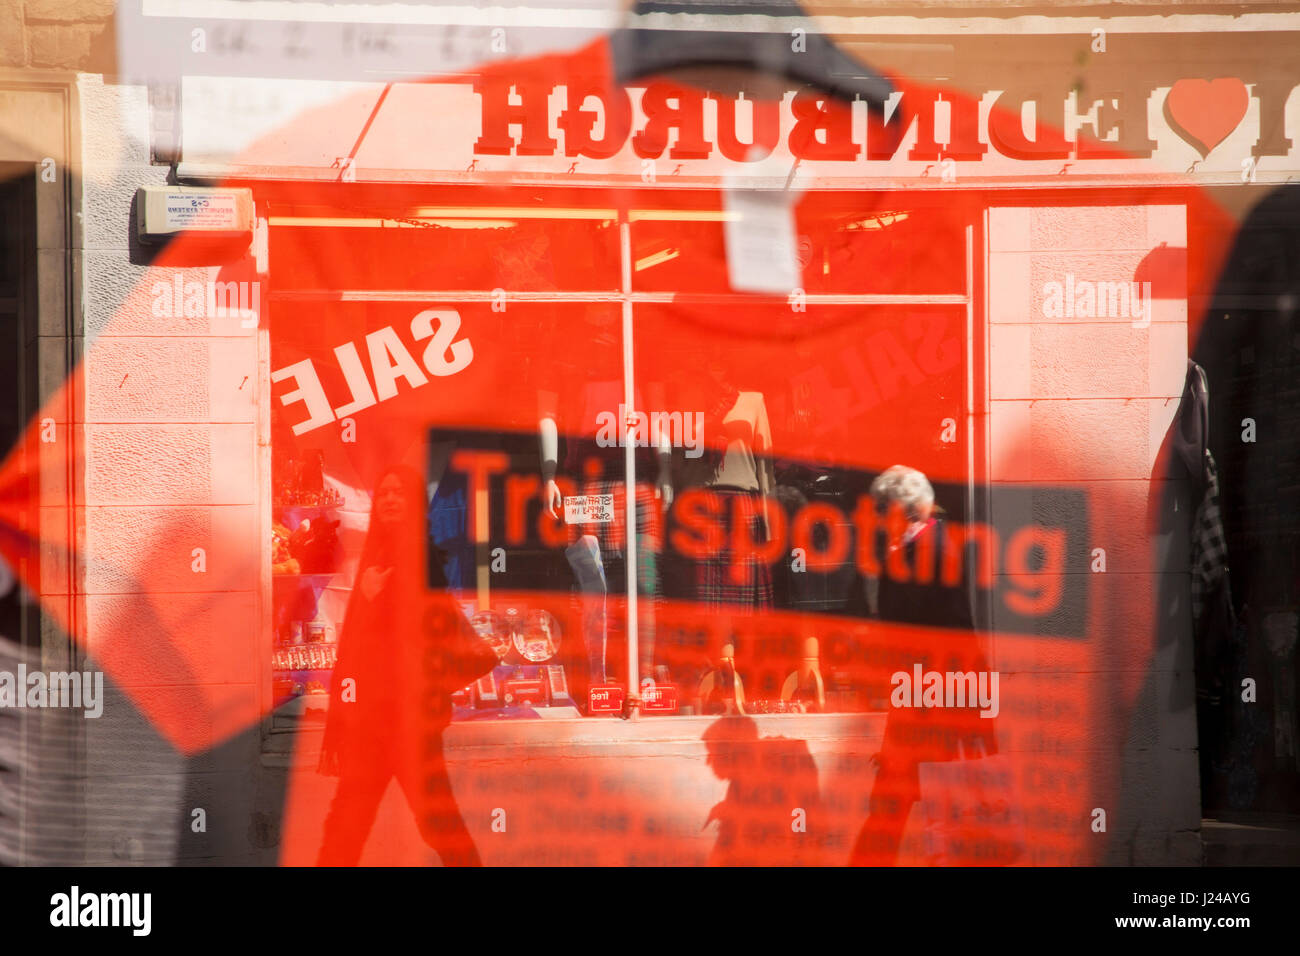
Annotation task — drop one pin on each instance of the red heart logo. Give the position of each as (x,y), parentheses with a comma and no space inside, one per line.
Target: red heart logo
(1204,112)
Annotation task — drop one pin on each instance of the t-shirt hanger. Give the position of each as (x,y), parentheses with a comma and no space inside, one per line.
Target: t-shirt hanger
(795,50)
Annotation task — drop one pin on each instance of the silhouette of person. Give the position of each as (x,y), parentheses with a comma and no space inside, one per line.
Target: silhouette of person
(773,797)
(404,650)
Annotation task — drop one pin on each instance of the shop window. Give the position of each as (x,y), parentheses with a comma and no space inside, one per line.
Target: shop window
(697,516)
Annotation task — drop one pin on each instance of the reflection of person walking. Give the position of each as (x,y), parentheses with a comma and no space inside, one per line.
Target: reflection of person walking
(938,622)
(402,654)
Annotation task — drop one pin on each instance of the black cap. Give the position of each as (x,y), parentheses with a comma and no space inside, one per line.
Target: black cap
(641,51)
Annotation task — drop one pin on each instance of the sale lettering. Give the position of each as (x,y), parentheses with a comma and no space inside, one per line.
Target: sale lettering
(388,360)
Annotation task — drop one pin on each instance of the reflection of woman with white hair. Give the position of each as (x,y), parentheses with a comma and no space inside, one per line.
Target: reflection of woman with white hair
(909,489)
(943,639)
(920,598)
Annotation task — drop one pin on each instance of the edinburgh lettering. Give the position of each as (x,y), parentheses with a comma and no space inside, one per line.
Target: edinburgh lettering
(701,125)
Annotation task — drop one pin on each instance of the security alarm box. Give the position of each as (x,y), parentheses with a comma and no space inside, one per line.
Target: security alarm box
(166,211)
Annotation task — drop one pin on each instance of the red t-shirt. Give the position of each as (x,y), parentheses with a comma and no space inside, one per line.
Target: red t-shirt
(864,366)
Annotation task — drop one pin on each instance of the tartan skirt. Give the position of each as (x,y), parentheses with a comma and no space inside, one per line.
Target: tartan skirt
(722,580)
(611,536)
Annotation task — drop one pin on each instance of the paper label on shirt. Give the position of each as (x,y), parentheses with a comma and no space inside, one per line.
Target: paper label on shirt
(762,251)
(589,509)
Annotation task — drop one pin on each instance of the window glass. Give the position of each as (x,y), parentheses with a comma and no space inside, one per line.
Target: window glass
(749,566)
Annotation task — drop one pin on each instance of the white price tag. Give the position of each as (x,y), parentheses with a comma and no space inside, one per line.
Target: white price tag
(589,509)
(762,251)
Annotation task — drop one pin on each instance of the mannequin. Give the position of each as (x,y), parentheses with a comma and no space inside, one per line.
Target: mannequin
(597,552)
(737,471)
